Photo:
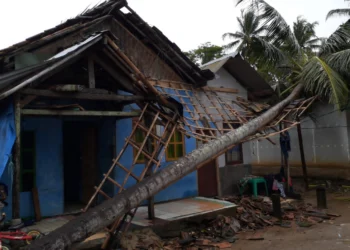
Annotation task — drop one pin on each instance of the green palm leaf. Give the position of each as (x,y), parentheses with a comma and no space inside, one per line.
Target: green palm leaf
(266,52)
(337,41)
(338,12)
(231,45)
(340,61)
(320,79)
(277,28)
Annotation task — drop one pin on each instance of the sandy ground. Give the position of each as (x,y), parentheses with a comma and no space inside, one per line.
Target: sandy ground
(334,234)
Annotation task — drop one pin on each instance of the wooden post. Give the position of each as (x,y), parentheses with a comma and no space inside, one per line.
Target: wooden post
(17,157)
(276,205)
(148,123)
(282,158)
(302,155)
(91,70)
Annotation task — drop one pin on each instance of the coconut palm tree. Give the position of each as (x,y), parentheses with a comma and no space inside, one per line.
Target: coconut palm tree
(319,74)
(305,34)
(339,12)
(323,74)
(249,25)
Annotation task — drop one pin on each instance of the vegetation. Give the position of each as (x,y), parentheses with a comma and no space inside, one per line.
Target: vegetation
(293,56)
(249,25)
(339,12)
(205,53)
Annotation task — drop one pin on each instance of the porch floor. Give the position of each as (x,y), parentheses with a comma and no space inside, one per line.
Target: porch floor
(48,225)
(181,209)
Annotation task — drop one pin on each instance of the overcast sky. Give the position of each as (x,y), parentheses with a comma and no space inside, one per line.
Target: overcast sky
(188,23)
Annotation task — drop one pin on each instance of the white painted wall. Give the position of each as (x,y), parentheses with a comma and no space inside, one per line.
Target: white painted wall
(226,80)
(326,143)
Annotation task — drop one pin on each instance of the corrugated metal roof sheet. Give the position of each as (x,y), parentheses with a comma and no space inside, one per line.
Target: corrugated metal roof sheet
(74,47)
(13,80)
(217,64)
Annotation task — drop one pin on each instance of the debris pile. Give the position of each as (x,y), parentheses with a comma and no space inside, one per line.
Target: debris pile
(220,233)
(141,239)
(254,214)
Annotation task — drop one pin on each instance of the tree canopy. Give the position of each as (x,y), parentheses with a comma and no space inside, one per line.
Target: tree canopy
(205,53)
(297,56)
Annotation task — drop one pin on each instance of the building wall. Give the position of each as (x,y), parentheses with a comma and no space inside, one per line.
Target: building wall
(326,146)
(49,163)
(225,80)
(186,187)
(49,166)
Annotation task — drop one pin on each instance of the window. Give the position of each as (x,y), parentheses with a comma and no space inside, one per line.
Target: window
(28,161)
(235,154)
(175,148)
(139,137)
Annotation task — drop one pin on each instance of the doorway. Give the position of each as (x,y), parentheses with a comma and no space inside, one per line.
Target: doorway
(207,177)
(80,164)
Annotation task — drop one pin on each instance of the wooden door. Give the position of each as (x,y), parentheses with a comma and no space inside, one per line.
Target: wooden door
(89,171)
(207,178)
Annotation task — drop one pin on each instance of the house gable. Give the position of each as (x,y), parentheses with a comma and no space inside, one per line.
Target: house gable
(146,46)
(225,80)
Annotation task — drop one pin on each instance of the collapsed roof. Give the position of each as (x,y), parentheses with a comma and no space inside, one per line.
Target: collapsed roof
(105,16)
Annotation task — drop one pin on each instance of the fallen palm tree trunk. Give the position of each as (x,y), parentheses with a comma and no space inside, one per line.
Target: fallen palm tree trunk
(101,216)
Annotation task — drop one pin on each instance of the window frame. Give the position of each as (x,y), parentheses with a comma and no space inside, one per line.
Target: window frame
(175,143)
(240,161)
(142,159)
(33,151)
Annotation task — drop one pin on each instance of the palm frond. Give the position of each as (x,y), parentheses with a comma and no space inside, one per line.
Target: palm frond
(259,31)
(237,35)
(231,45)
(240,22)
(337,41)
(277,28)
(338,12)
(315,41)
(320,79)
(340,61)
(265,52)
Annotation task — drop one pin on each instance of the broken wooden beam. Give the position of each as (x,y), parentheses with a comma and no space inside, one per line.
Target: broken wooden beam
(85,96)
(51,112)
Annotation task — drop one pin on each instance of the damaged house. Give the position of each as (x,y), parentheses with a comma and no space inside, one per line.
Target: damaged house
(103,100)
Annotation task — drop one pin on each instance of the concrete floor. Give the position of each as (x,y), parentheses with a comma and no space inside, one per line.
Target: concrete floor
(181,209)
(327,235)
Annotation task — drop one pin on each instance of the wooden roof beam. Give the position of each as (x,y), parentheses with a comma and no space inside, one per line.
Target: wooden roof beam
(85,96)
(52,112)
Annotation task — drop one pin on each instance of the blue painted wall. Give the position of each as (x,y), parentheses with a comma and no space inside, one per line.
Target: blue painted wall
(49,166)
(185,187)
(49,163)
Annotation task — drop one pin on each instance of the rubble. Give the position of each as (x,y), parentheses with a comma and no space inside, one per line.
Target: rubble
(252,214)
(256,213)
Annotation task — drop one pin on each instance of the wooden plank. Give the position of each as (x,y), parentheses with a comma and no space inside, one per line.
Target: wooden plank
(84,96)
(28,99)
(17,157)
(224,90)
(185,86)
(91,70)
(78,113)
(36,202)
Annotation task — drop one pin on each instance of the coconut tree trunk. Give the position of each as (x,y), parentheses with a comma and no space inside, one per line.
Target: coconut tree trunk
(103,215)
